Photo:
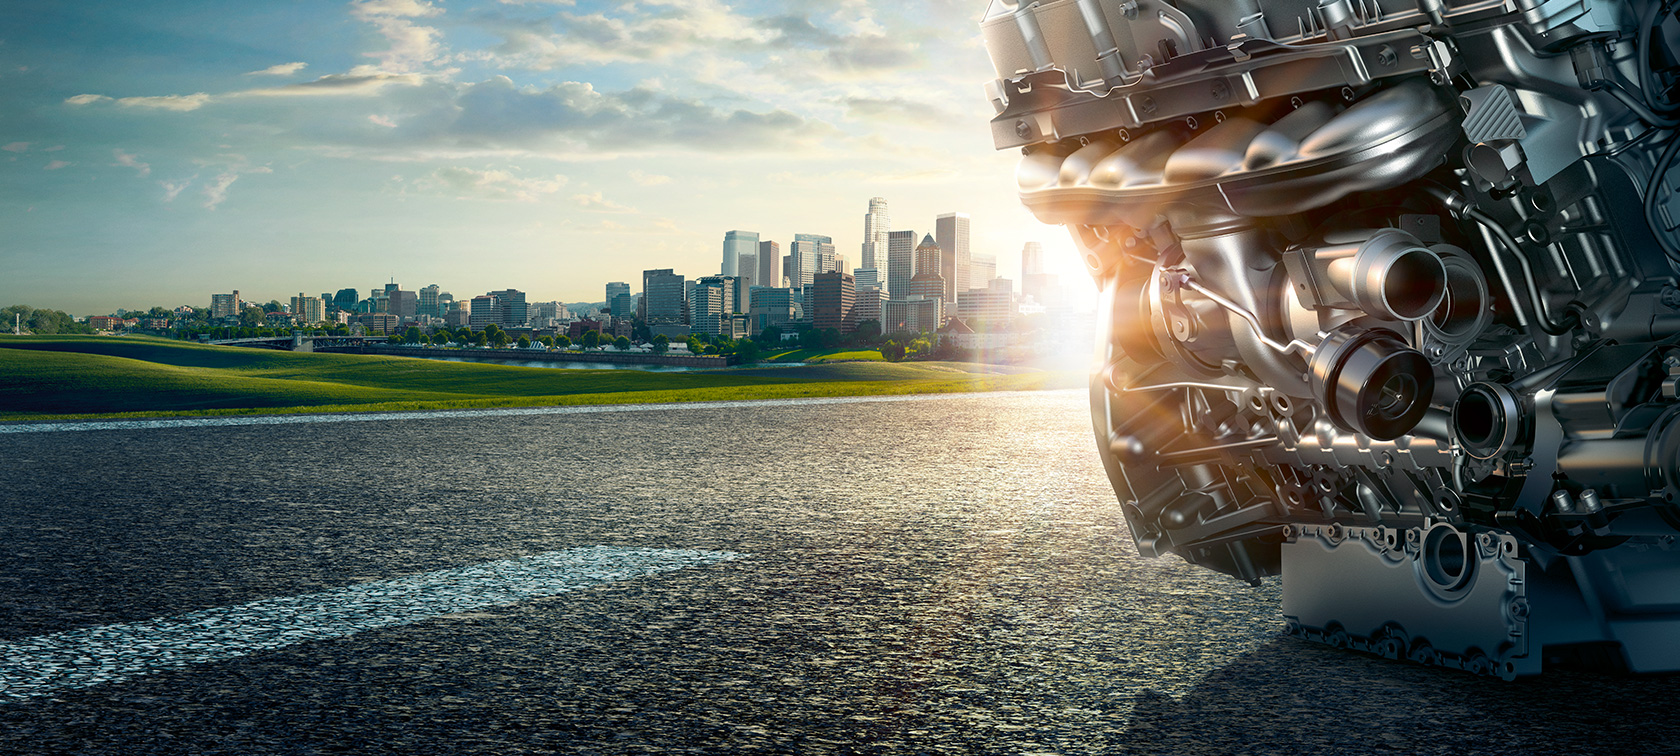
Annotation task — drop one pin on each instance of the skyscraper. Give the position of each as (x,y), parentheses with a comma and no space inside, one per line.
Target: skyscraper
(226,305)
(308,310)
(662,291)
(769,264)
(806,258)
(833,295)
(951,231)
(1032,258)
(736,243)
(981,271)
(429,302)
(901,261)
(613,290)
(346,299)
(514,313)
(875,228)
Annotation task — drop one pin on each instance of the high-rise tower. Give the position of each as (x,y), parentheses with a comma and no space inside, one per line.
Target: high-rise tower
(875,228)
(735,243)
(769,264)
(951,232)
(901,262)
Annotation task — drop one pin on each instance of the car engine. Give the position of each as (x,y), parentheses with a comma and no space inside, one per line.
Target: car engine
(1389,304)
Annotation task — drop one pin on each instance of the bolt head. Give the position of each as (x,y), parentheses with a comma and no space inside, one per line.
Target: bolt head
(1023,129)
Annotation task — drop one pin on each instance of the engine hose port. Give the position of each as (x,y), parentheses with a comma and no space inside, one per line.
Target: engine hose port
(1486,419)
(1460,313)
(1372,382)
(1413,284)
(1446,558)
(1391,275)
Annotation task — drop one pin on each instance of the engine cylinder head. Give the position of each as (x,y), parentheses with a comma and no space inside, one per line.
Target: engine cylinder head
(1371,382)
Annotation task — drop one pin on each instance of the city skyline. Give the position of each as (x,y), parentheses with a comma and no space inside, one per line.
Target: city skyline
(146,161)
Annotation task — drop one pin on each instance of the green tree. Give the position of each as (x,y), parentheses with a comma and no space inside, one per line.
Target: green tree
(661,344)
(412,335)
(868,332)
(771,336)
(747,350)
(711,349)
(547,341)
(695,345)
(622,343)
(479,339)
(591,339)
(810,338)
(563,341)
(918,347)
(892,351)
(524,342)
(499,338)
(394,339)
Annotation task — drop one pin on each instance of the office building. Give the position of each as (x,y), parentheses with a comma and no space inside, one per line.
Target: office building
(901,261)
(993,306)
(748,264)
(867,278)
(403,304)
(870,304)
(772,306)
(459,314)
(708,305)
(832,297)
(513,311)
(810,254)
(1032,258)
(951,231)
(928,281)
(770,264)
(876,225)
(614,289)
(981,270)
(308,310)
(731,287)
(429,302)
(735,244)
(346,299)
(485,310)
(623,306)
(916,314)
(662,297)
(226,305)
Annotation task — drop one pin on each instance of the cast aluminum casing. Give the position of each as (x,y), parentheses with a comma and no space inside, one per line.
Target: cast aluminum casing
(1390,304)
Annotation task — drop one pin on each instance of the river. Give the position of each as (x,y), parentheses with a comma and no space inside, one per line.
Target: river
(942,574)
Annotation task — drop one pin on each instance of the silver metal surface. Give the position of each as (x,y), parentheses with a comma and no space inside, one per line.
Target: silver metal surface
(1393,304)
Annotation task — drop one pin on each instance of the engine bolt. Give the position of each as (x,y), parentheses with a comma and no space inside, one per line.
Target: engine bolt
(1220,90)
(1146,105)
(1023,129)
(1386,56)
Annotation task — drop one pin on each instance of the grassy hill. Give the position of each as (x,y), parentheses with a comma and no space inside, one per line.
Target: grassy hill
(44,377)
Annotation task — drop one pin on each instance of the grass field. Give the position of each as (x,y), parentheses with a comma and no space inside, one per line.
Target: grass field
(843,354)
(59,377)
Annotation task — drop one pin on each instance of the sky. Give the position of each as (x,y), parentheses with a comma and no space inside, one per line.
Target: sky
(154,153)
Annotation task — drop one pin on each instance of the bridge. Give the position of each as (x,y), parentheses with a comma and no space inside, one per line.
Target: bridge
(303,342)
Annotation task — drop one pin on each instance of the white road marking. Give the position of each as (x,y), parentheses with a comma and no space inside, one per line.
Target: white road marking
(113,653)
(362,417)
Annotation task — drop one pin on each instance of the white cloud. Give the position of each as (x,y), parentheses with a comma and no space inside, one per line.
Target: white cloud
(172,189)
(596,203)
(379,120)
(648,179)
(55,165)
(467,183)
(411,46)
(86,99)
(131,161)
(179,103)
(216,191)
(16,147)
(283,69)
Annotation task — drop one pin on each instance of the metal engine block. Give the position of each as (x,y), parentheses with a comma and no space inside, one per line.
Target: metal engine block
(1390,305)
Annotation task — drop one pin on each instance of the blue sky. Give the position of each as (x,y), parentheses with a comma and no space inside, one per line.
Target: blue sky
(154,153)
